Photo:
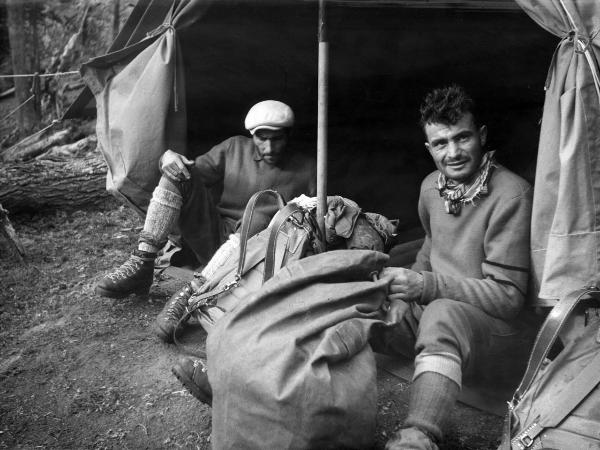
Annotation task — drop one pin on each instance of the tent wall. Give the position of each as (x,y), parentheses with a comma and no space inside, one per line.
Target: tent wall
(566,204)
(383,60)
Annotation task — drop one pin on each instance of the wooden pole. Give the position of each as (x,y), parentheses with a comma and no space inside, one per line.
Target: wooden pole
(322,121)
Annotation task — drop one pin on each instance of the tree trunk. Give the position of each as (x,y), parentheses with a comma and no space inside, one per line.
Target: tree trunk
(78,183)
(22,31)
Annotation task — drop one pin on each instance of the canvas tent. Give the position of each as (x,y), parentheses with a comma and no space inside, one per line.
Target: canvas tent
(181,71)
(566,211)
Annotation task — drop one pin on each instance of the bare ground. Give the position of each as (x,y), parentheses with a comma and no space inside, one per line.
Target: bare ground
(81,371)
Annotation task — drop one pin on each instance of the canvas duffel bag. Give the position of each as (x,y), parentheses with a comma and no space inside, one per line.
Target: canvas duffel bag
(291,366)
(557,404)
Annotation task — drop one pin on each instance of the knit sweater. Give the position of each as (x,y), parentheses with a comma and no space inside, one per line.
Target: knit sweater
(480,256)
(237,166)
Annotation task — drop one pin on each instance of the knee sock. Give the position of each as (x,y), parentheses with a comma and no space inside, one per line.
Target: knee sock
(432,398)
(163,213)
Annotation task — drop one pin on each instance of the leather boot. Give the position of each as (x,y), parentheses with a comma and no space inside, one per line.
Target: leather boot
(192,374)
(134,276)
(169,318)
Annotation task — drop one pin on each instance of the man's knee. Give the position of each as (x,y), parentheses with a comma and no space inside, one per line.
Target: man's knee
(447,326)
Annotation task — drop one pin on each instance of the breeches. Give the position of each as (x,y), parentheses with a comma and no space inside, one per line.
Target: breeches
(447,328)
(200,224)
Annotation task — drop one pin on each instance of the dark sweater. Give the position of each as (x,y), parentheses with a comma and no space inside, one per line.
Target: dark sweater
(480,256)
(237,164)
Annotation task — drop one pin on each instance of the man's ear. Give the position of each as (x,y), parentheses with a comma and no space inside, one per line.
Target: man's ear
(428,147)
(483,135)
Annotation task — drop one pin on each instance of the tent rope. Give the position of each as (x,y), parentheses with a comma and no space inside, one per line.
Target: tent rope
(17,108)
(37,133)
(41,75)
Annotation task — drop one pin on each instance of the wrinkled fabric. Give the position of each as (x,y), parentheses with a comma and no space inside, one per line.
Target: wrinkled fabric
(346,223)
(565,226)
(140,102)
(290,366)
(340,218)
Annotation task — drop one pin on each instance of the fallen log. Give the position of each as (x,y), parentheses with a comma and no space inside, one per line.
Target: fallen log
(31,147)
(60,152)
(74,183)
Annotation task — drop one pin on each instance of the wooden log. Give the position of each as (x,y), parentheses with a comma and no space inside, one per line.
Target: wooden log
(61,152)
(32,147)
(75,183)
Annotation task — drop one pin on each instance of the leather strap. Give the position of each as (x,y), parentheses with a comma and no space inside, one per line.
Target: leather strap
(247,222)
(278,222)
(548,334)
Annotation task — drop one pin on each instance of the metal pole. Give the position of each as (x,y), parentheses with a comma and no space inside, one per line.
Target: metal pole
(322,121)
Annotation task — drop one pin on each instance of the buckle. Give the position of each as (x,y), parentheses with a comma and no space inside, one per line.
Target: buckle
(526,438)
(525,441)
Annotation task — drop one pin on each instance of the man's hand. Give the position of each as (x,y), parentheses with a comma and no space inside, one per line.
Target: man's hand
(406,284)
(175,165)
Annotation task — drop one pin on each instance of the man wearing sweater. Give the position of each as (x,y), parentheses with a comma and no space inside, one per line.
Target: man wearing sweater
(238,167)
(470,276)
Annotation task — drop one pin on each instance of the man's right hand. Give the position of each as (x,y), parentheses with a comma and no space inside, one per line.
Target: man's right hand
(175,166)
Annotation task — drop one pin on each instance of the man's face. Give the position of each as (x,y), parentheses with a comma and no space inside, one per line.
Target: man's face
(271,144)
(456,149)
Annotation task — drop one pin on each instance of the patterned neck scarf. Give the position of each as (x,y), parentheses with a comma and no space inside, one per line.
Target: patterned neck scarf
(456,194)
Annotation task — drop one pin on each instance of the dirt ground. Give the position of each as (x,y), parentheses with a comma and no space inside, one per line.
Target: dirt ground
(81,371)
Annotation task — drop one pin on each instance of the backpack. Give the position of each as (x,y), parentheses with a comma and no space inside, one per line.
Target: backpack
(557,403)
(251,257)
(291,365)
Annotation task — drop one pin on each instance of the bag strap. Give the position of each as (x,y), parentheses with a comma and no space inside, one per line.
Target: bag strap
(278,222)
(247,222)
(548,334)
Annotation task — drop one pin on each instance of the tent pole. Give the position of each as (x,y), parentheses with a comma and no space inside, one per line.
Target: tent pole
(322,121)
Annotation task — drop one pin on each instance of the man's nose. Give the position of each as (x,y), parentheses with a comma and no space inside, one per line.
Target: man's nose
(267,146)
(453,149)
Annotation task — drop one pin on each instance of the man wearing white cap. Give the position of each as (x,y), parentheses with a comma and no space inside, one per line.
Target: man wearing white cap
(239,167)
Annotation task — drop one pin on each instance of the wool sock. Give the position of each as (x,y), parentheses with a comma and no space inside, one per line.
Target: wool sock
(163,213)
(432,398)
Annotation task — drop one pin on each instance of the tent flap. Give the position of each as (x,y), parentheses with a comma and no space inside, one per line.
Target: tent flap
(140,102)
(565,233)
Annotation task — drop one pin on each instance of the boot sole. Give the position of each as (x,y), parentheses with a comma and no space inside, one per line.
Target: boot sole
(191,387)
(112,294)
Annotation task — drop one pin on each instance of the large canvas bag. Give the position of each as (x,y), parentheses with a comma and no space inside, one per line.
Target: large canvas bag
(291,367)
(557,404)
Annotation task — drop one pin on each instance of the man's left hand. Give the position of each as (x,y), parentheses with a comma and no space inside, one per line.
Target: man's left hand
(406,284)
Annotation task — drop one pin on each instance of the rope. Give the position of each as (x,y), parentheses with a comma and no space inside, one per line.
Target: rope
(37,133)
(41,75)
(17,108)
(584,48)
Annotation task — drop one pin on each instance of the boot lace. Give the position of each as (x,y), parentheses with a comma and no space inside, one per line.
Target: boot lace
(178,305)
(127,269)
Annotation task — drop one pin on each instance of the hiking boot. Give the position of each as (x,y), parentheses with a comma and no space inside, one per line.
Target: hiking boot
(134,276)
(174,310)
(192,374)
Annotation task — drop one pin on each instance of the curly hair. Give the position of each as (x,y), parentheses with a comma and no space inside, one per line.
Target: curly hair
(446,105)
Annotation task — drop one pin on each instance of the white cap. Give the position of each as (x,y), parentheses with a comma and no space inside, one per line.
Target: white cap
(269,115)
